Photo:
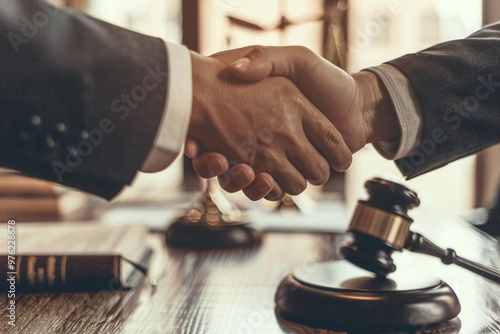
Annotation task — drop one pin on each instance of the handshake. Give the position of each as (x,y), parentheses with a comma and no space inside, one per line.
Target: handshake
(267,120)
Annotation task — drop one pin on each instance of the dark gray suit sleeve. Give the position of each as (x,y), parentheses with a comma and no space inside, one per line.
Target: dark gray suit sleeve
(457,85)
(80,99)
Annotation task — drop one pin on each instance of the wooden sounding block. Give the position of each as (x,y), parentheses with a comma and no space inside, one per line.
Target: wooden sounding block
(337,295)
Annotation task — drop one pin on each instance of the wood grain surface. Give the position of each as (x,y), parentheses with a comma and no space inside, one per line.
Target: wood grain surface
(222,291)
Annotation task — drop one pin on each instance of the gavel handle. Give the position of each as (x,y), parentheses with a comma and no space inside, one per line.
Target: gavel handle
(419,244)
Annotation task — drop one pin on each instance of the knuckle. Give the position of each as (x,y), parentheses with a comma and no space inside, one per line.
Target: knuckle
(295,99)
(302,50)
(301,106)
(268,156)
(330,136)
(286,91)
(306,60)
(269,161)
(295,142)
(277,167)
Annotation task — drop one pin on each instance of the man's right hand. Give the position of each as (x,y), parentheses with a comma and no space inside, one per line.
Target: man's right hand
(269,125)
(358,105)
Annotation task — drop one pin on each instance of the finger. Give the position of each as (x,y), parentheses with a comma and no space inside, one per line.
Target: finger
(191,148)
(309,162)
(210,164)
(230,56)
(290,180)
(314,76)
(275,194)
(327,140)
(250,69)
(237,178)
(261,187)
(262,61)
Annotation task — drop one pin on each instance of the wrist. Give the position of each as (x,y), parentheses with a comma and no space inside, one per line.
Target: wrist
(198,88)
(379,115)
(209,94)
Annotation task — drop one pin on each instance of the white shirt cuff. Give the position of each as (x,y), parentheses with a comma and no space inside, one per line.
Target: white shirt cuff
(174,124)
(407,110)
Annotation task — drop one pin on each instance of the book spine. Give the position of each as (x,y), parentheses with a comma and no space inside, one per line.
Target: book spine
(61,273)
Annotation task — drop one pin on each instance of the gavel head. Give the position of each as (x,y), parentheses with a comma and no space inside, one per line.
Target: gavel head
(380,226)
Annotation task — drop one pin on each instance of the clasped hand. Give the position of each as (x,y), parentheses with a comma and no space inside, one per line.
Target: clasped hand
(266,120)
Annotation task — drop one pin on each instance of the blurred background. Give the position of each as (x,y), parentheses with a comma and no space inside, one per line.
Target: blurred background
(352,34)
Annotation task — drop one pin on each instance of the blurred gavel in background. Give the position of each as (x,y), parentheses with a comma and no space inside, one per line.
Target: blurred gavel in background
(381,225)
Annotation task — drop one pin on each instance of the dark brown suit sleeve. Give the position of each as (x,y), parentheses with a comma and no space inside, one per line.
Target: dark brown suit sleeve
(80,99)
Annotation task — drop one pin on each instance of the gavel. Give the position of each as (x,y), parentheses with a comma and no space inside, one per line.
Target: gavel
(381,226)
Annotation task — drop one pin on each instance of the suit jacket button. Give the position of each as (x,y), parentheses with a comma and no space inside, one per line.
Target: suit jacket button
(50,144)
(59,132)
(84,135)
(35,121)
(72,151)
(31,129)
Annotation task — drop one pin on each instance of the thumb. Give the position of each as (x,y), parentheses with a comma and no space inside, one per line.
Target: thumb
(263,61)
(251,69)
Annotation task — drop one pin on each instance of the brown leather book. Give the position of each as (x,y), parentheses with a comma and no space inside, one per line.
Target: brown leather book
(72,257)
(32,273)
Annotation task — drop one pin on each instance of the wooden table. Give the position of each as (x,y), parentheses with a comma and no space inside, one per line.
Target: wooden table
(219,292)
